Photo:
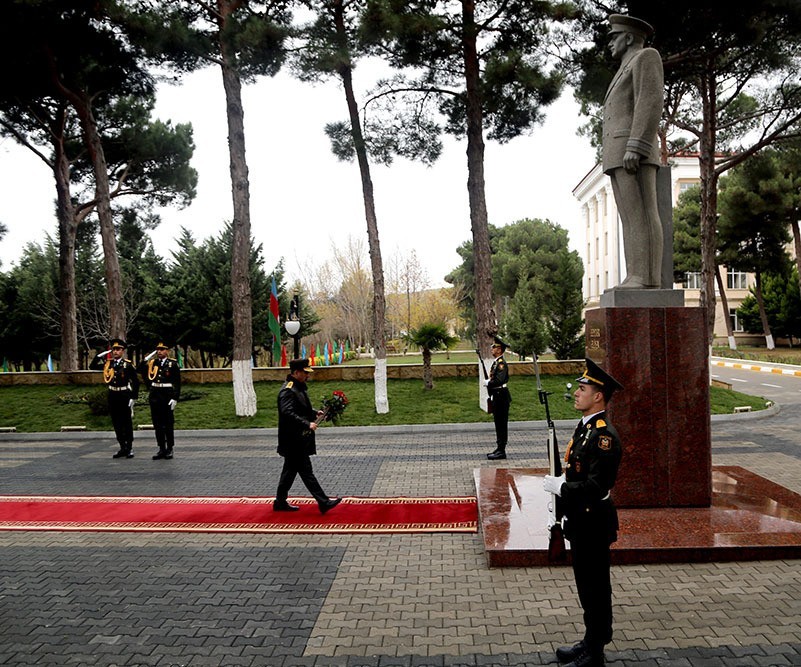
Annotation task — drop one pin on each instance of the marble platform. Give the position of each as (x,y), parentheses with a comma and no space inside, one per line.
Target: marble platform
(750,518)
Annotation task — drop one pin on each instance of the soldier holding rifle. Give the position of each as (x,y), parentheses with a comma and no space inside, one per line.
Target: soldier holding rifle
(592,460)
(501,398)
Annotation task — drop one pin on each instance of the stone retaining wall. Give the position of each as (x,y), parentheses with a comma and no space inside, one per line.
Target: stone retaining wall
(341,373)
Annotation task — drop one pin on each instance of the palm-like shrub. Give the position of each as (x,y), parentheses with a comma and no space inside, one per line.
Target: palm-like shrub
(430,337)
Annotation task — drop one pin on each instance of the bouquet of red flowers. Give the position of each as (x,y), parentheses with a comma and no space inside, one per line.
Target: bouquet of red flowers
(334,406)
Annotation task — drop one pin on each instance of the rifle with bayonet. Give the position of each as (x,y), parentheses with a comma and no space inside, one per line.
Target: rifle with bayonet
(557,553)
(486,377)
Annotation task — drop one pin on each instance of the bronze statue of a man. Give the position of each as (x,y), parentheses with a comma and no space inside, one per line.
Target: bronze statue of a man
(632,109)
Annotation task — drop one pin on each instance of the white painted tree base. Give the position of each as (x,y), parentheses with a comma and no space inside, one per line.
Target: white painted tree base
(769,342)
(732,343)
(380,378)
(244,394)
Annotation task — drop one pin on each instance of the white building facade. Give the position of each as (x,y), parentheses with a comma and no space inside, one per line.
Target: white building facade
(602,250)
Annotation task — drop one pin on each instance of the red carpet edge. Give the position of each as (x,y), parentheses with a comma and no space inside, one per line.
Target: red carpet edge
(236,515)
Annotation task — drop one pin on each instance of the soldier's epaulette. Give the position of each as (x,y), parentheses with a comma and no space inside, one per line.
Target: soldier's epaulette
(127,361)
(600,424)
(289,385)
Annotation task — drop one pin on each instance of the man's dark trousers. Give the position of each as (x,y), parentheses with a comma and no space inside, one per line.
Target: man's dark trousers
(500,415)
(590,556)
(299,465)
(163,419)
(121,419)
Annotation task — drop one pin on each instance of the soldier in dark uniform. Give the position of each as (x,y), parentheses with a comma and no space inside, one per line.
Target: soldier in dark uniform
(297,422)
(592,459)
(162,375)
(120,377)
(500,397)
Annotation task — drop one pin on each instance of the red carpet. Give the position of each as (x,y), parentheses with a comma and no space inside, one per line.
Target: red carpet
(237,515)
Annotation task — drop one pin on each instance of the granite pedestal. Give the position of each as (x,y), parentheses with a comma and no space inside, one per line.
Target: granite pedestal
(749,518)
(660,357)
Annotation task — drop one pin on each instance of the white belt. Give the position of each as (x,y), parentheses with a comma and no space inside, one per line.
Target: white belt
(162,385)
(126,388)
(606,497)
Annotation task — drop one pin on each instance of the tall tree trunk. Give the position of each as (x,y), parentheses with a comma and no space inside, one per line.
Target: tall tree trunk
(67,229)
(486,327)
(118,324)
(244,393)
(709,198)
(763,314)
(379,299)
(725,303)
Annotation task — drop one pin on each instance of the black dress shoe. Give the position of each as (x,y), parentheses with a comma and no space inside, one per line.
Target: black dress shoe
(568,653)
(160,455)
(120,454)
(285,507)
(588,659)
(324,507)
(168,455)
(129,454)
(497,454)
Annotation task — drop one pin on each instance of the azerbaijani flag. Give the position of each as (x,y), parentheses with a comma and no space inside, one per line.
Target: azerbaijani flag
(283,355)
(274,324)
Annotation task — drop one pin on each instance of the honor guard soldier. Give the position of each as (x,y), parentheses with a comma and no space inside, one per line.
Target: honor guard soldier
(162,375)
(500,397)
(592,460)
(120,377)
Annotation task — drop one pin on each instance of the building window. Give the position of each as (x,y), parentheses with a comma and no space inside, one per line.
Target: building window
(606,244)
(606,279)
(589,285)
(596,247)
(736,280)
(736,326)
(693,279)
(686,185)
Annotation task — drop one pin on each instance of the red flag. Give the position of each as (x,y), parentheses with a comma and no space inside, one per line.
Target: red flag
(283,355)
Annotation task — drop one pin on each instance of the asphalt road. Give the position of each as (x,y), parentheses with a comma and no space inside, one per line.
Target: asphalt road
(781,389)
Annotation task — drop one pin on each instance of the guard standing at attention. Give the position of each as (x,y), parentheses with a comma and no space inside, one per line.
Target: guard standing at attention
(120,377)
(592,460)
(500,397)
(162,375)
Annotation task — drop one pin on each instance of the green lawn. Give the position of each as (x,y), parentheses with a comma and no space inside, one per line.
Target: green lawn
(780,355)
(210,406)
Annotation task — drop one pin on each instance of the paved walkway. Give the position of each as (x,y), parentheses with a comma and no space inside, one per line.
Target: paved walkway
(358,600)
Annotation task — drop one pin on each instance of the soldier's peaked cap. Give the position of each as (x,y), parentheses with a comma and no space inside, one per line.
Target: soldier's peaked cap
(117,342)
(300,365)
(162,346)
(597,376)
(500,343)
(624,23)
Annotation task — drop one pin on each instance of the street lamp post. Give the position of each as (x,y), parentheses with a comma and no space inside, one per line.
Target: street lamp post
(292,324)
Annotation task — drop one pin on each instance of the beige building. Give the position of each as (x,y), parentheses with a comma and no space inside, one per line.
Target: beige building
(602,250)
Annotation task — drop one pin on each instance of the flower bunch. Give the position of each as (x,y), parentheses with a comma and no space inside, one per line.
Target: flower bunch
(334,406)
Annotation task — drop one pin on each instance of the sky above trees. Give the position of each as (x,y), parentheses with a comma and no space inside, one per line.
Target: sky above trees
(304,200)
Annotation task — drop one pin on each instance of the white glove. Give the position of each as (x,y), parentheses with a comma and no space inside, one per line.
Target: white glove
(553,484)
(131,403)
(173,403)
(104,354)
(486,383)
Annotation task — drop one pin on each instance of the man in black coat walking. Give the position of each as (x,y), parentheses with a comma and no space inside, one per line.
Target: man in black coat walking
(297,422)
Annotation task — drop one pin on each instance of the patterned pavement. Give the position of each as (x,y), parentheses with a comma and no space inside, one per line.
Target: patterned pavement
(359,600)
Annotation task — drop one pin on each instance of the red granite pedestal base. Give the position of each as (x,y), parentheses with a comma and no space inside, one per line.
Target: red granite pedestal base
(660,356)
(750,518)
